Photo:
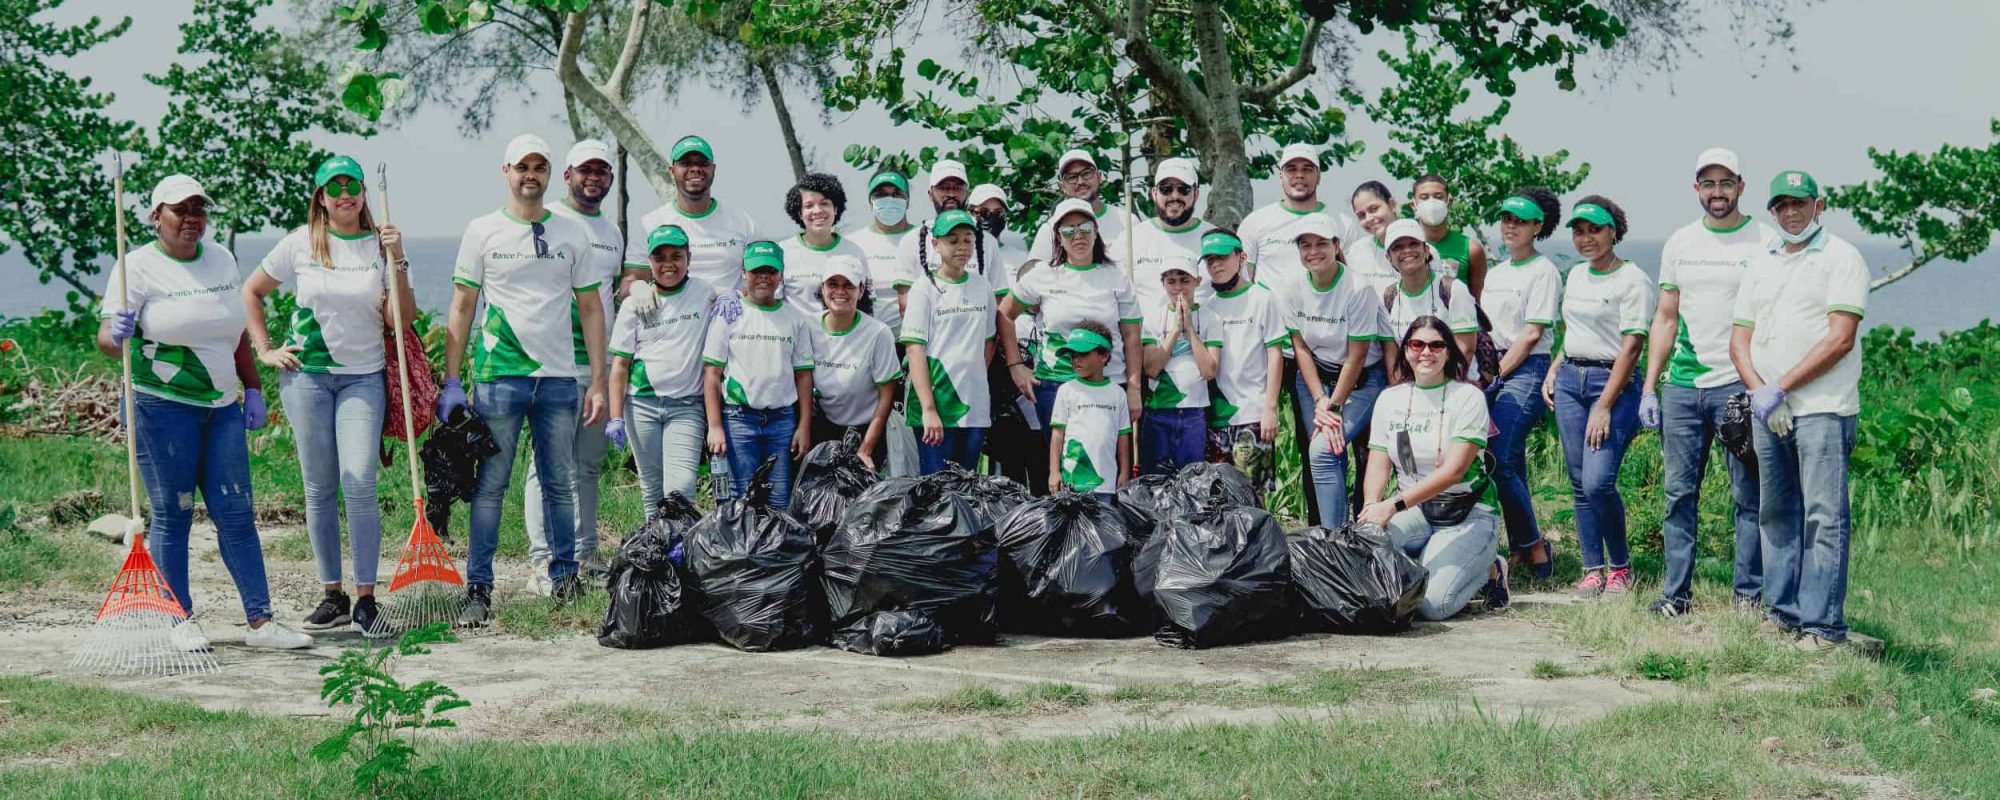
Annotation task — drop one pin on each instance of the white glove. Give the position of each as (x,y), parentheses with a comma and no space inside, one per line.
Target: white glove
(643,297)
(1780,421)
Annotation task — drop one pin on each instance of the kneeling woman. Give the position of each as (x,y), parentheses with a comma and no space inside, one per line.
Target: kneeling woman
(656,371)
(948,329)
(1430,430)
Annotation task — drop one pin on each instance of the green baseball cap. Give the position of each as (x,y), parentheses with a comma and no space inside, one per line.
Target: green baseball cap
(1591,213)
(666,235)
(1220,244)
(758,255)
(691,144)
(952,219)
(1793,183)
(890,178)
(1082,341)
(1522,208)
(335,167)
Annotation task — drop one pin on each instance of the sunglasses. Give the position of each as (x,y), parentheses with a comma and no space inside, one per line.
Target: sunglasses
(541,245)
(343,188)
(1424,345)
(1172,189)
(1073,231)
(1079,176)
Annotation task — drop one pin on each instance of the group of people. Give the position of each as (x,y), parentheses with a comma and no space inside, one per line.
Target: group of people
(1098,350)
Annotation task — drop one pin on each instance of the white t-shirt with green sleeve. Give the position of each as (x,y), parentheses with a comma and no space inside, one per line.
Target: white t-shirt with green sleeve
(1157,248)
(337,323)
(1705,267)
(1786,301)
(849,365)
(1249,322)
(1329,319)
(665,346)
(806,268)
(1520,293)
(1601,308)
(190,322)
(607,260)
(1064,296)
(1179,384)
(1459,311)
(715,241)
(529,290)
(759,353)
(953,320)
(884,256)
(1092,415)
(1432,418)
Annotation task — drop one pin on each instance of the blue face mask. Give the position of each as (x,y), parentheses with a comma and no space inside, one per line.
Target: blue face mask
(1802,236)
(890,210)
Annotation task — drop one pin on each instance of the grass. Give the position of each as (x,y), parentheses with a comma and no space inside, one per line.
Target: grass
(1546,670)
(525,615)
(1327,688)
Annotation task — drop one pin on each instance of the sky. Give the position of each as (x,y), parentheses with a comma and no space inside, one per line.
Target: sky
(1819,109)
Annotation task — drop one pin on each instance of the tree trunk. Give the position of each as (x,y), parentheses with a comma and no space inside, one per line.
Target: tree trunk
(1223,152)
(607,103)
(777,92)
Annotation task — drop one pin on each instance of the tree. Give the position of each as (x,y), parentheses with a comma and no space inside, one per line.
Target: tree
(55,195)
(1941,204)
(235,120)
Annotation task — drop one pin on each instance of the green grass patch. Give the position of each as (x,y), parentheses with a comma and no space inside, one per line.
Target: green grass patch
(1330,687)
(525,615)
(1547,670)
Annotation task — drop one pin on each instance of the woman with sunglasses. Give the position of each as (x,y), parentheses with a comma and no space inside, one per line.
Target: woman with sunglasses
(1430,430)
(330,372)
(190,361)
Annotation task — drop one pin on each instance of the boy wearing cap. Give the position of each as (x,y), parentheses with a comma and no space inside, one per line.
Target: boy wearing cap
(1171,240)
(716,235)
(1078,177)
(1701,269)
(531,267)
(1243,409)
(1090,427)
(1182,350)
(1269,233)
(1796,347)
(758,386)
(657,374)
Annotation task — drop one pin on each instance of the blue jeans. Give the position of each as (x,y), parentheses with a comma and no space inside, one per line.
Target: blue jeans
(1171,438)
(667,435)
(1593,474)
(1803,517)
(1516,406)
(184,448)
(960,446)
(756,434)
(1690,420)
(548,406)
(591,447)
(1458,557)
(337,424)
(1327,470)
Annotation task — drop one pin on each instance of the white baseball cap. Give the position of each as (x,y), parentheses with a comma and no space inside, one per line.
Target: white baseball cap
(1068,205)
(1321,224)
(586,151)
(984,192)
(525,145)
(175,188)
(1719,157)
(946,168)
(848,267)
(1405,228)
(1179,169)
(1075,155)
(1294,152)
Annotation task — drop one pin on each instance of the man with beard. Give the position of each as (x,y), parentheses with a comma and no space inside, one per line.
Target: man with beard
(1270,234)
(1077,176)
(716,235)
(1700,270)
(1171,240)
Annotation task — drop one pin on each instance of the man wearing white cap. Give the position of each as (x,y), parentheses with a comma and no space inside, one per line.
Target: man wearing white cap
(716,235)
(1170,240)
(1270,234)
(532,267)
(1077,176)
(1700,269)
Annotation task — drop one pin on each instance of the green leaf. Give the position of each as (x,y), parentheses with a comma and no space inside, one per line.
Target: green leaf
(927,69)
(392,87)
(478,11)
(373,37)
(436,19)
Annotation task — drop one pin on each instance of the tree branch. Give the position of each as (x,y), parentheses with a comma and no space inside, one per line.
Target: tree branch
(1166,76)
(1265,92)
(610,110)
(1899,273)
(635,36)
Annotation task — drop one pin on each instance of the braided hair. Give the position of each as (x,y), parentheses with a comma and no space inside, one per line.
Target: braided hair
(924,258)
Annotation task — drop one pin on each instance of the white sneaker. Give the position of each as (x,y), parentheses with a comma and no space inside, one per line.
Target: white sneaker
(275,636)
(539,584)
(187,637)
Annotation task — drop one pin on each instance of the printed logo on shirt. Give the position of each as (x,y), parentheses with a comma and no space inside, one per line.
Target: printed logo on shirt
(510,255)
(705,244)
(668,319)
(761,337)
(1311,317)
(202,292)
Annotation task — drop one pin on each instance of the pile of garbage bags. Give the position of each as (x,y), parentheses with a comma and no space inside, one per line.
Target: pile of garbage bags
(648,608)
(752,566)
(831,476)
(1066,568)
(923,555)
(1354,580)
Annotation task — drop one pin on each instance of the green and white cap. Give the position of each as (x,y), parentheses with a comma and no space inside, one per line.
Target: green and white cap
(948,220)
(1220,243)
(1591,213)
(761,255)
(691,144)
(335,167)
(1521,208)
(1082,341)
(891,179)
(1793,183)
(666,235)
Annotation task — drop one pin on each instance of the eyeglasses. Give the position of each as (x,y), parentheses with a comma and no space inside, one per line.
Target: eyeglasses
(1171,189)
(1424,345)
(1709,186)
(1073,231)
(541,245)
(343,188)
(1079,176)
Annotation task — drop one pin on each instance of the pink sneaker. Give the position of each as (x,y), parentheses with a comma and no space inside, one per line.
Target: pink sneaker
(1619,582)
(1591,586)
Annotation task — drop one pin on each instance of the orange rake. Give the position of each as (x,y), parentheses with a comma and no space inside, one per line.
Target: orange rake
(135,630)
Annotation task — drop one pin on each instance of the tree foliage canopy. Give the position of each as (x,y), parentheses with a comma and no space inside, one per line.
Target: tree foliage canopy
(1944,204)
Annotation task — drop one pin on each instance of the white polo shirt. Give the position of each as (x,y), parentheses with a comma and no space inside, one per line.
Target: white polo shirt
(715,241)
(1706,267)
(1270,237)
(1786,298)
(849,365)
(1601,308)
(1521,293)
(530,293)
(1328,319)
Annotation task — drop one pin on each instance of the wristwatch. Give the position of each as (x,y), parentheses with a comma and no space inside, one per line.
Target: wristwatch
(1400,505)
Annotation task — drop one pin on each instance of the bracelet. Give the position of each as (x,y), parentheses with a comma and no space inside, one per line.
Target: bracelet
(402,265)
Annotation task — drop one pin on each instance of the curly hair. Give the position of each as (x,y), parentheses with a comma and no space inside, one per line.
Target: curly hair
(1618,227)
(823,184)
(1547,202)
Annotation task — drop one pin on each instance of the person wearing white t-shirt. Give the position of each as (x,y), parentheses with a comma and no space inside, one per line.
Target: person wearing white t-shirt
(1181,354)
(1336,326)
(1243,409)
(1013,446)
(1688,385)
(1171,240)
(175,311)
(1796,346)
(1607,306)
(530,266)
(656,372)
(947,193)
(1429,430)
(1368,255)
(1422,291)
(1270,234)
(816,205)
(1078,178)
(1523,300)
(330,375)
(758,384)
(882,240)
(949,329)
(1090,428)
(716,235)
(855,367)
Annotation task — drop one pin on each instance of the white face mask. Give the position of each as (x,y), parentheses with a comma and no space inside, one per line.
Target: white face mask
(890,210)
(1432,211)
(1802,236)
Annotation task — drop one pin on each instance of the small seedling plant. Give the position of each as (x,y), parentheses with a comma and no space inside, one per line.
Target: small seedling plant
(382,738)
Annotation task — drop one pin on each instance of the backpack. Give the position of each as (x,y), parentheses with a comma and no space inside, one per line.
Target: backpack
(1484,353)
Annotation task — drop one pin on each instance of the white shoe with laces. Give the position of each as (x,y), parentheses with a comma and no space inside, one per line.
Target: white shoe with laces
(188,637)
(539,583)
(273,635)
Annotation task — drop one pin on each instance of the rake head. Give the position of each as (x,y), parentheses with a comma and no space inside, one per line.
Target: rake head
(138,630)
(427,586)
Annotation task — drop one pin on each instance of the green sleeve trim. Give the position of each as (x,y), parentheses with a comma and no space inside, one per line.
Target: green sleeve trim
(591,288)
(1361,338)
(1744,323)
(465,281)
(802,367)
(1473,329)
(1849,309)
(620,353)
(1539,321)
(899,283)
(1290,329)
(1148,340)
(1125,431)
(1132,321)
(1215,343)
(1670,287)
(914,340)
(1058,424)
(1379,448)
(1634,332)
(891,379)
(638,265)
(1277,340)
(714,362)
(1478,440)
(999,292)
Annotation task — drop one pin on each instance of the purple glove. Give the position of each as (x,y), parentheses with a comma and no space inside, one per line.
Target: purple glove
(615,431)
(450,398)
(123,323)
(728,306)
(1649,410)
(255,414)
(1765,400)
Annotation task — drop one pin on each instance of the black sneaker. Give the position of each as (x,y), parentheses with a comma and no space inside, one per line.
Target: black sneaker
(1667,609)
(1496,592)
(478,608)
(332,612)
(368,618)
(568,589)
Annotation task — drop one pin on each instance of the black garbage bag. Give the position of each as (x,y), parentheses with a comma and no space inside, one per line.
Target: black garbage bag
(680,510)
(451,456)
(1736,436)
(647,607)
(993,496)
(1207,484)
(1218,576)
(1354,580)
(910,544)
(752,565)
(831,476)
(1066,568)
(909,632)
(1150,498)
